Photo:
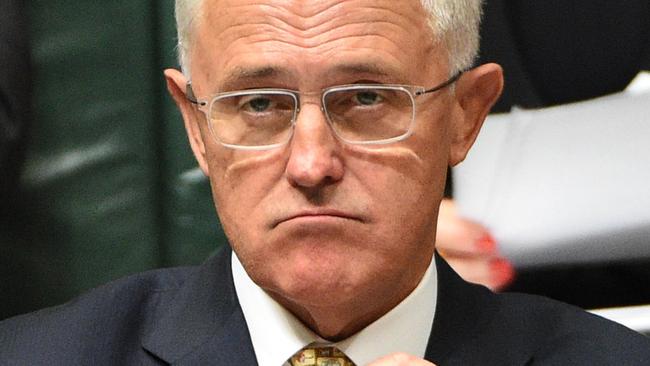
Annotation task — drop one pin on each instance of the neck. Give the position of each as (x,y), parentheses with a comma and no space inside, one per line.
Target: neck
(338,321)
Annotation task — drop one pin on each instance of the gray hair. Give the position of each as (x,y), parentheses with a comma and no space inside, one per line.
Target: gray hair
(454,22)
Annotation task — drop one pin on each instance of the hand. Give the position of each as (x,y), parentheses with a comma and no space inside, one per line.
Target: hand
(470,249)
(400,359)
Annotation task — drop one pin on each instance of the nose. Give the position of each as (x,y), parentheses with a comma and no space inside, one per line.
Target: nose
(315,153)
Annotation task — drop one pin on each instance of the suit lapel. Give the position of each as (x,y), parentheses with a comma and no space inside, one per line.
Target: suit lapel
(461,310)
(473,326)
(202,323)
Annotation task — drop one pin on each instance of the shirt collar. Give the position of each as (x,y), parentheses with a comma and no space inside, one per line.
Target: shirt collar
(276,334)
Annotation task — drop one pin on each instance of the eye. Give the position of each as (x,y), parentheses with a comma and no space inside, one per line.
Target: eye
(368,98)
(256,103)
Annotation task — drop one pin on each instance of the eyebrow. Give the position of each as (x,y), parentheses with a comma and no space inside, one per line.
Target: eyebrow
(241,75)
(362,68)
(376,72)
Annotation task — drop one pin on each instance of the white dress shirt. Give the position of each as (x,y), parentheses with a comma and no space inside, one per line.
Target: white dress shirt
(276,334)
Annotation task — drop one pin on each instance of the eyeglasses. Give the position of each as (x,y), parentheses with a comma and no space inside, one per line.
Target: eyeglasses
(261,119)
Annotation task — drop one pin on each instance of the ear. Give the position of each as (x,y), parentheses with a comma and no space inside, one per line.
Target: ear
(176,85)
(476,92)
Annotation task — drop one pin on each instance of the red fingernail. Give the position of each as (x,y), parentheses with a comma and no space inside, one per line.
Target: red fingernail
(487,243)
(502,271)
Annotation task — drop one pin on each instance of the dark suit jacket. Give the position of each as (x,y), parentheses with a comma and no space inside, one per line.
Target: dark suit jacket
(191,316)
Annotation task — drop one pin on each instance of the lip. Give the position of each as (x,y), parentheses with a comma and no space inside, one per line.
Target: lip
(318,213)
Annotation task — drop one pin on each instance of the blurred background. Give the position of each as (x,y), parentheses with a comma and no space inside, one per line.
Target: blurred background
(108,185)
(98,180)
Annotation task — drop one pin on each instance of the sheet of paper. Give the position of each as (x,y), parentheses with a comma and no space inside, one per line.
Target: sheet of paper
(561,185)
(633,317)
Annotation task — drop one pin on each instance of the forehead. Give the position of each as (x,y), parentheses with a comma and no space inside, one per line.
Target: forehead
(292,38)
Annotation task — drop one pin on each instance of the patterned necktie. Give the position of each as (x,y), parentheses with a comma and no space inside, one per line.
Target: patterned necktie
(313,355)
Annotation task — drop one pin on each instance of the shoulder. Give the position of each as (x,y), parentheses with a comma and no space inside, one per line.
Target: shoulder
(477,326)
(109,317)
(558,333)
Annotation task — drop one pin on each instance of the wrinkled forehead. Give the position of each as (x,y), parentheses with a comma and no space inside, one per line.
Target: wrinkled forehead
(313,36)
(306,14)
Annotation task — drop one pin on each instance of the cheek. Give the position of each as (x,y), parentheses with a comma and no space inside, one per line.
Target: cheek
(242,195)
(409,202)
(404,177)
(240,183)
(405,191)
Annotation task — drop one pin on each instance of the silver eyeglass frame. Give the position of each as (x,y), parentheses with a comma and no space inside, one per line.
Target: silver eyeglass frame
(412,90)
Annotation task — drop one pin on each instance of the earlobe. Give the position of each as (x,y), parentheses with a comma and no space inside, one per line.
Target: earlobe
(476,93)
(176,84)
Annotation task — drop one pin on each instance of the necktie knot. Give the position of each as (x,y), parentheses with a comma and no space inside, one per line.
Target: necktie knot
(314,355)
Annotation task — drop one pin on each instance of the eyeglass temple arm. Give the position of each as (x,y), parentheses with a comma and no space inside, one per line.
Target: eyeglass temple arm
(189,94)
(451,80)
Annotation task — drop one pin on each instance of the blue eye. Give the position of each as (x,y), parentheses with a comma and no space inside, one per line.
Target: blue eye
(367,98)
(258,104)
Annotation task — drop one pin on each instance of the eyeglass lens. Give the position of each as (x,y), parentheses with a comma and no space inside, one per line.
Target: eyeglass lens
(253,119)
(369,114)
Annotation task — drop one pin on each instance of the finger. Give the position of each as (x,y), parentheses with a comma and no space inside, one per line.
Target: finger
(401,359)
(480,249)
(465,244)
(503,274)
(494,273)
(462,236)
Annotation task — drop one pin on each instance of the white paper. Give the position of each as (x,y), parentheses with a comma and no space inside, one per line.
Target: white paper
(561,185)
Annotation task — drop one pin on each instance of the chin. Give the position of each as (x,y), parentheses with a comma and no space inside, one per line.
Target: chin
(319,282)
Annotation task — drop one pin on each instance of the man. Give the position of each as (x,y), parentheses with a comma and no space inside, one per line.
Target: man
(327,167)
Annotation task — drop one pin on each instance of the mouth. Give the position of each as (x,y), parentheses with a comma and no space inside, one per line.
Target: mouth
(318,215)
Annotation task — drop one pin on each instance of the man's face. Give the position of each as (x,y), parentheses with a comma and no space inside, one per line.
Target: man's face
(319,222)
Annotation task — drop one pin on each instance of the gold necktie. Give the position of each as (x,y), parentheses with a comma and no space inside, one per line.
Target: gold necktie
(320,356)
